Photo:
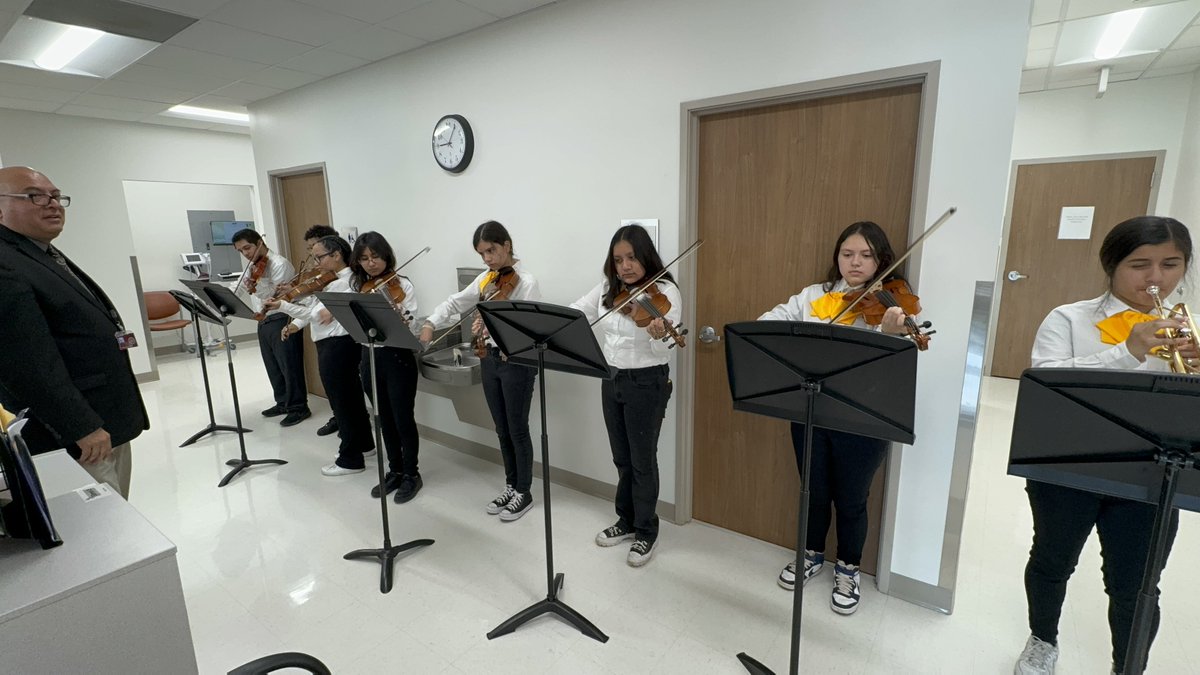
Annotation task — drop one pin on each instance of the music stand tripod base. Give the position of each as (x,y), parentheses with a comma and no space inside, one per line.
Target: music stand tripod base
(551,605)
(199,311)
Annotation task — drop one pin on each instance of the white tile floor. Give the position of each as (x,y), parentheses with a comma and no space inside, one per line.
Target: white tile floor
(263,571)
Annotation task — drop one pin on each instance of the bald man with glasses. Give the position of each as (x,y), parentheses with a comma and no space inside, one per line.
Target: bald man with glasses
(63,346)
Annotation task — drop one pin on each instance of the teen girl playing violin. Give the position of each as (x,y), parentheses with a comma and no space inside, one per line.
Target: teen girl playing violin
(842,464)
(338,355)
(635,401)
(1117,330)
(508,387)
(395,372)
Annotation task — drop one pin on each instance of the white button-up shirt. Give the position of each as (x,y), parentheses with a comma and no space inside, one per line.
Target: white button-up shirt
(625,345)
(465,300)
(799,306)
(1069,338)
(307,310)
(279,270)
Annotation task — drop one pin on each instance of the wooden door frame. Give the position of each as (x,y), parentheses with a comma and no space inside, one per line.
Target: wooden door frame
(276,177)
(1001,262)
(691,113)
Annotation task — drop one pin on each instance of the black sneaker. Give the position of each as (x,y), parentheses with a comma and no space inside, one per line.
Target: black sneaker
(274,411)
(641,551)
(497,505)
(294,418)
(390,482)
(409,487)
(611,536)
(517,506)
(328,428)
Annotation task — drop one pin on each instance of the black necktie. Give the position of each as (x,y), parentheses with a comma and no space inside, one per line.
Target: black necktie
(61,260)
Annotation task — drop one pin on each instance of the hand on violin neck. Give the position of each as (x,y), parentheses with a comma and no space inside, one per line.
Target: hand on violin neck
(657,329)
(893,321)
(477,326)
(271,304)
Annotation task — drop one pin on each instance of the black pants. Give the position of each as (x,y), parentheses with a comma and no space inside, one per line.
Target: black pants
(337,361)
(843,466)
(1063,519)
(508,389)
(396,372)
(634,403)
(284,360)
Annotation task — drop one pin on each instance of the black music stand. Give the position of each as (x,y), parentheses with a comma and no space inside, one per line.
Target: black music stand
(820,375)
(562,340)
(228,304)
(200,310)
(372,320)
(1127,434)
(28,516)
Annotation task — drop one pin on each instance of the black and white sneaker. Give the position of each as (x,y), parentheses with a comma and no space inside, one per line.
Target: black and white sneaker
(813,564)
(611,536)
(497,505)
(845,589)
(641,551)
(517,506)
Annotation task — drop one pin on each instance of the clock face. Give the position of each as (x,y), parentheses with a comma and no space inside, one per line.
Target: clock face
(453,143)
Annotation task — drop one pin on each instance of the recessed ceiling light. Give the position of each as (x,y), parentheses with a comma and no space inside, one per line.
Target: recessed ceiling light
(74,41)
(209,114)
(1120,28)
(1123,35)
(74,50)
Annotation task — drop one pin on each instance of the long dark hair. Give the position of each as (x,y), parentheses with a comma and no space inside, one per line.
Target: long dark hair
(379,246)
(1134,233)
(491,232)
(643,251)
(876,238)
(334,244)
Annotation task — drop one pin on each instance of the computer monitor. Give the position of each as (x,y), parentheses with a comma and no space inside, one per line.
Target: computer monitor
(223,230)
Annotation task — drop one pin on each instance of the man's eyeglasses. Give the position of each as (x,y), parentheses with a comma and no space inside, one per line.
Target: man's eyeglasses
(42,199)
(321,256)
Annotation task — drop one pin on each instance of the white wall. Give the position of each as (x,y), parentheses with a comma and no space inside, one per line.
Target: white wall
(1186,205)
(89,159)
(576,110)
(159,223)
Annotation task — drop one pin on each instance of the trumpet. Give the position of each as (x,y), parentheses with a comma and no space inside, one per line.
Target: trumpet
(1180,313)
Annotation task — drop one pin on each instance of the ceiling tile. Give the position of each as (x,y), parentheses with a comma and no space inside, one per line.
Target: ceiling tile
(14,6)
(26,104)
(1038,58)
(200,63)
(375,43)
(196,8)
(324,63)
(102,113)
(1131,64)
(439,19)
(1178,57)
(1166,72)
(218,103)
(230,128)
(1033,80)
(33,93)
(1188,38)
(1044,11)
(42,78)
(117,103)
(507,8)
(172,79)
(219,38)
(142,91)
(282,78)
(289,20)
(169,121)
(7,19)
(1077,9)
(1067,84)
(371,11)
(246,92)
(1040,37)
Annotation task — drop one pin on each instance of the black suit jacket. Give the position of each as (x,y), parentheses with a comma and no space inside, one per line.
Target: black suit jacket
(58,352)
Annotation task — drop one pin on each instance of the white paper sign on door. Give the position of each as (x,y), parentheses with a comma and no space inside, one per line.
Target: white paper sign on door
(1076,222)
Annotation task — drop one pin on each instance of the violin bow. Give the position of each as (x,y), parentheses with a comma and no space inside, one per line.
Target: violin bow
(461,319)
(878,283)
(396,271)
(653,280)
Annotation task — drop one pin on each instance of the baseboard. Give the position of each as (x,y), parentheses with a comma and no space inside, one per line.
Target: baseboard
(568,479)
(143,378)
(920,593)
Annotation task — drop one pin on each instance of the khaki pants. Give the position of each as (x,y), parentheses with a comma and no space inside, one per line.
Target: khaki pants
(115,470)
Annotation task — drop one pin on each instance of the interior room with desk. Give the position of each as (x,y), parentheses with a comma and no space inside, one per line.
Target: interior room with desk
(764,128)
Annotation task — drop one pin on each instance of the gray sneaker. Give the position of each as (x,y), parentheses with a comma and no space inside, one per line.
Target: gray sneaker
(1037,659)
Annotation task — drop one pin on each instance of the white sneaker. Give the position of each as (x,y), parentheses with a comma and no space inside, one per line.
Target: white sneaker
(846,589)
(813,564)
(335,470)
(369,453)
(1037,659)
(497,505)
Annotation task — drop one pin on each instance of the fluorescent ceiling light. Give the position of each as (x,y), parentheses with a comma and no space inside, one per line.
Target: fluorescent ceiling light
(210,114)
(74,41)
(1120,28)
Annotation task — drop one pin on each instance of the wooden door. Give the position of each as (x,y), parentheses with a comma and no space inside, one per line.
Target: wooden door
(304,205)
(777,185)
(1059,271)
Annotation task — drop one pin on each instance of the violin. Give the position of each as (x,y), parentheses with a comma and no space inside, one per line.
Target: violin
(309,286)
(389,286)
(649,305)
(499,284)
(257,269)
(872,305)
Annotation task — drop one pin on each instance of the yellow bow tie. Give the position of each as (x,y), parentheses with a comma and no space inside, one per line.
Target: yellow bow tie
(827,306)
(487,279)
(1115,329)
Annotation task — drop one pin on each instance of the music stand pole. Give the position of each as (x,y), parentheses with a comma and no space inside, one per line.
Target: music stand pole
(190,303)
(357,313)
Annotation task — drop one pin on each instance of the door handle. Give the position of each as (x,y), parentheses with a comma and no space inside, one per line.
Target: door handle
(708,335)
(1014,275)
